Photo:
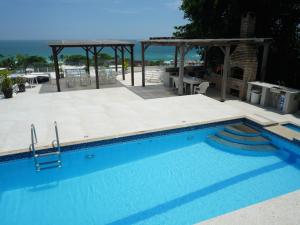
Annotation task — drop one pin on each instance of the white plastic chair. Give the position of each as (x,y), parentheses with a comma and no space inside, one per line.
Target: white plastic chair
(102,76)
(85,79)
(176,84)
(112,78)
(71,77)
(201,88)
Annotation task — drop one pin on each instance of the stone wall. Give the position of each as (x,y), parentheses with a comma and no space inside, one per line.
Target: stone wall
(245,56)
(248,22)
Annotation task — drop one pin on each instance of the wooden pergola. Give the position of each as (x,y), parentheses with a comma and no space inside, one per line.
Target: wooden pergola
(94,47)
(183,46)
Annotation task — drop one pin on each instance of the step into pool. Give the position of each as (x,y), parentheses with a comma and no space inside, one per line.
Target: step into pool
(292,126)
(175,177)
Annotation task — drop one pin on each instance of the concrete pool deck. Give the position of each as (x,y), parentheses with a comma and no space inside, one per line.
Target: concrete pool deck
(283,210)
(113,111)
(92,114)
(122,109)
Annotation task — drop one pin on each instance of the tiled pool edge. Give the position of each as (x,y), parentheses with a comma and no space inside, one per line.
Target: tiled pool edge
(73,146)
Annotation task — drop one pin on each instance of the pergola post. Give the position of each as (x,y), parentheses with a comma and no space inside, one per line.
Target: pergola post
(143,64)
(116,59)
(123,63)
(132,64)
(226,69)
(264,62)
(57,75)
(176,57)
(87,61)
(96,67)
(181,70)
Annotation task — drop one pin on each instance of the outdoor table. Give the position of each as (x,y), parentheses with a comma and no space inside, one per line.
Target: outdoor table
(192,81)
(40,74)
(31,79)
(189,80)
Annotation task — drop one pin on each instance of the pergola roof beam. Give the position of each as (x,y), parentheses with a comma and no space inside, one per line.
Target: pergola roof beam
(88,43)
(205,42)
(91,46)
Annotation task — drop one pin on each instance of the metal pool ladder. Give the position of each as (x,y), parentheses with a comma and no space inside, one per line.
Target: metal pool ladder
(46,159)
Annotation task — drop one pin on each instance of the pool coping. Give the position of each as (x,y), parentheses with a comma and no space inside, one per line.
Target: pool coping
(124,137)
(294,124)
(73,145)
(281,130)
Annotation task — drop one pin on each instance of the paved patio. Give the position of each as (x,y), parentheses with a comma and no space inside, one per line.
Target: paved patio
(99,113)
(283,210)
(113,110)
(122,109)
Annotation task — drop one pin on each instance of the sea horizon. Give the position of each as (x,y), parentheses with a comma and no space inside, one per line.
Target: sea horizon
(9,48)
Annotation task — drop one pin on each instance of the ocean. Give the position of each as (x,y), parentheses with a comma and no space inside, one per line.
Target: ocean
(41,48)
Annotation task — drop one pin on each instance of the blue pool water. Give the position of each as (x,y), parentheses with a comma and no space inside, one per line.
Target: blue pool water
(173,179)
(292,127)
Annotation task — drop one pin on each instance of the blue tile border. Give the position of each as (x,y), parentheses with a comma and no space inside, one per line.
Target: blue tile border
(79,146)
(261,127)
(82,145)
(292,126)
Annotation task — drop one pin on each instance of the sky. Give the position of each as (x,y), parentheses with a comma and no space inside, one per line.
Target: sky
(88,19)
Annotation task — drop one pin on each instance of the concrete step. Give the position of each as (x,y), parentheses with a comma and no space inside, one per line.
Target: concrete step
(255,150)
(242,130)
(248,140)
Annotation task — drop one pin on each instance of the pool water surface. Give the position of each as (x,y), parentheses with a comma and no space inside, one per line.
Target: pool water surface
(172,179)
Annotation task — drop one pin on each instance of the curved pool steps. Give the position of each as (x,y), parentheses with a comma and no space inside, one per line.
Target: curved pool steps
(241,139)
(242,129)
(223,144)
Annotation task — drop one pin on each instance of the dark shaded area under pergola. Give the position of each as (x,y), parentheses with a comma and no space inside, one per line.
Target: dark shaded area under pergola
(183,46)
(94,47)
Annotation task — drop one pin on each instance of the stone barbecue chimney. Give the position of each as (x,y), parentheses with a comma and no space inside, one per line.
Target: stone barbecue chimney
(248,21)
(244,59)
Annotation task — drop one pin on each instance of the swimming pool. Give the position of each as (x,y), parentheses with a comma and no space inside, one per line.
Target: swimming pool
(173,178)
(292,127)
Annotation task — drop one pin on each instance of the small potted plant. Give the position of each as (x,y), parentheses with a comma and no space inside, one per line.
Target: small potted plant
(126,65)
(6,87)
(20,81)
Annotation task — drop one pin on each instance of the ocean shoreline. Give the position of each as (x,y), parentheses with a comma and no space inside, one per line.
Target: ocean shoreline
(10,48)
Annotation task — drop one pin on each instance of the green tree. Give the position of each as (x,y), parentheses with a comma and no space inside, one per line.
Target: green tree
(81,59)
(21,60)
(24,61)
(61,57)
(9,63)
(36,60)
(278,19)
(104,56)
(75,59)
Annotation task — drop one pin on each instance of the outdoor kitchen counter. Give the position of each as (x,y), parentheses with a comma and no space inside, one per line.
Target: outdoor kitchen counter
(271,92)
